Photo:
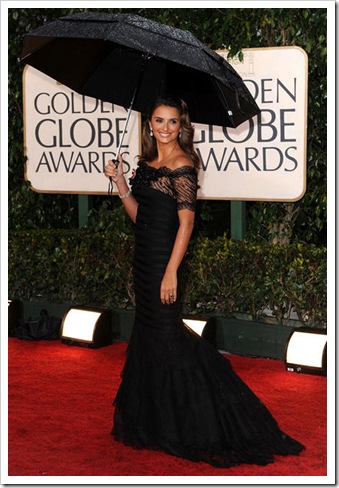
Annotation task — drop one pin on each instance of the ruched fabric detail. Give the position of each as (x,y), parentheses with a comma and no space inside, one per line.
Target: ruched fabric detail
(178,393)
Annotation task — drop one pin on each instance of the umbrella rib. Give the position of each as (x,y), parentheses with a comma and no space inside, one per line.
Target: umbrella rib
(224,100)
(167,35)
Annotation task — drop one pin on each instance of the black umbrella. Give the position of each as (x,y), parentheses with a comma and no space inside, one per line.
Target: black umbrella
(129,60)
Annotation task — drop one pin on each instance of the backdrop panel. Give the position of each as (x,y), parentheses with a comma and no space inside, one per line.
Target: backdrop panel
(70,137)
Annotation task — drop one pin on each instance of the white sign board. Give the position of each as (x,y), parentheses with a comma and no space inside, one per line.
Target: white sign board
(69,138)
(265,157)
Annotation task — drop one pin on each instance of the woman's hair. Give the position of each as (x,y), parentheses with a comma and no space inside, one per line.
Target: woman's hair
(149,146)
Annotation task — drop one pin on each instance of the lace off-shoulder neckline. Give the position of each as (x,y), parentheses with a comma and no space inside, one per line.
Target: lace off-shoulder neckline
(179,183)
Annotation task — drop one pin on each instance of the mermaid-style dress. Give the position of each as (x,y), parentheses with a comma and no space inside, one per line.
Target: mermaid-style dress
(178,393)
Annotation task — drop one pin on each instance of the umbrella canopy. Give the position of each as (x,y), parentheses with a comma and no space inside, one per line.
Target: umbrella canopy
(129,60)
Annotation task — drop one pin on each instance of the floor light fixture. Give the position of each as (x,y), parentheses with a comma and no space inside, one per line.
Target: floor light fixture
(86,326)
(306,351)
(196,324)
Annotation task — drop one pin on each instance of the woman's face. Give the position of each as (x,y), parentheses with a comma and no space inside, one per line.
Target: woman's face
(165,123)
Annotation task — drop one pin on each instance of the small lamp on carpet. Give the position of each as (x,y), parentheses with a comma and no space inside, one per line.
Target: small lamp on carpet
(14,315)
(306,351)
(195,323)
(87,327)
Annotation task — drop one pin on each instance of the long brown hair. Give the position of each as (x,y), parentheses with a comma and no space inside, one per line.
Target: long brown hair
(149,146)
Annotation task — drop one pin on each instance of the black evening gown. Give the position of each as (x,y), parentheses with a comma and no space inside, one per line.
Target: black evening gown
(178,393)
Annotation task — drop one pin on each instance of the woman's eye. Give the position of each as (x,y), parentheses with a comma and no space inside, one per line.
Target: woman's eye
(171,121)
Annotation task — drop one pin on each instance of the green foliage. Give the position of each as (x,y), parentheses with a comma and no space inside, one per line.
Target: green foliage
(222,276)
(29,210)
(219,28)
(71,266)
(110,217)
(284,281)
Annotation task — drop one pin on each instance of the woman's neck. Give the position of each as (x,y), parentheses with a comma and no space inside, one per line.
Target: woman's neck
(166,153)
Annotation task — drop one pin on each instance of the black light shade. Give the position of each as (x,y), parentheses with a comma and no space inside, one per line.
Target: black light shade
(306,351)
(86,326)
(15,310)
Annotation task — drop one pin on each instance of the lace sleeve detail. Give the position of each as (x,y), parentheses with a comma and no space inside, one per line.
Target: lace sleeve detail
(185,183)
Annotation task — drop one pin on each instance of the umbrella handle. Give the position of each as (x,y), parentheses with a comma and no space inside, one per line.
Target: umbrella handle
(116,161)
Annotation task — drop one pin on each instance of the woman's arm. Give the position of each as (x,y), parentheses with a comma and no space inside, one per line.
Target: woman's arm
(129,202)
(169,281)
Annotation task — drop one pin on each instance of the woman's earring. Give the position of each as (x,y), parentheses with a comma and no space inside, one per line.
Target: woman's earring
(151,132)
(179,133)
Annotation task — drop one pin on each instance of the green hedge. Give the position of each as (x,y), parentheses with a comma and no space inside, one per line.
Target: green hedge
(281,281)
(223,276)
(71,266)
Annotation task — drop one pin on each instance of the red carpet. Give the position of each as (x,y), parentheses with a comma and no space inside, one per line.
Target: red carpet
(60,416)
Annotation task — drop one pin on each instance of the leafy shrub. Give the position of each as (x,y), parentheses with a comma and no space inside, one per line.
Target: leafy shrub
(284,281)
(223,276)
(71,266)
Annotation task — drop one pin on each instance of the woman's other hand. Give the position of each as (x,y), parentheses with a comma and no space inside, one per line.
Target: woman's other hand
(168,288)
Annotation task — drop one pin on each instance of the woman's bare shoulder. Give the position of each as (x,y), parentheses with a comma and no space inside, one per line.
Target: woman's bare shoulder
(182,160)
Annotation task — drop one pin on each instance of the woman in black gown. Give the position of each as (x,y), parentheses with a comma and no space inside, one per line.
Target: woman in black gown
(178,393)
